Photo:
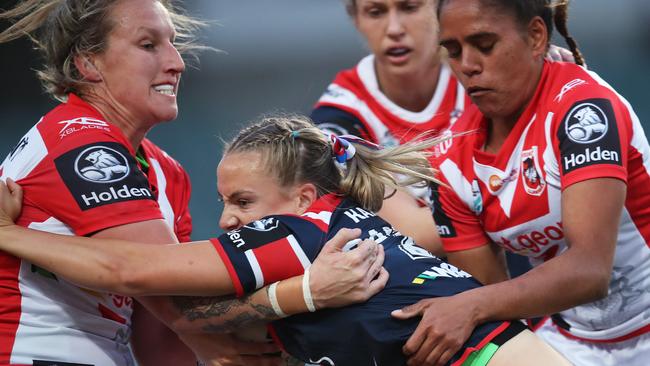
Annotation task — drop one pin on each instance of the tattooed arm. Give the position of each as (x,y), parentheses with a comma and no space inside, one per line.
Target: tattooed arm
(221,314)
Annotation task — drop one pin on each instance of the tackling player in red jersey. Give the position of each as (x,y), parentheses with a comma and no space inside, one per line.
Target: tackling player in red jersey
(557,169)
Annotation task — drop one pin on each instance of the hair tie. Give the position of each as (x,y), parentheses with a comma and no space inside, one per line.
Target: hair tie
(295,134)
(342,149)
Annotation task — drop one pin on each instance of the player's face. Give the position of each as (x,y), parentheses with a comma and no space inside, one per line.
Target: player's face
(140,68)
(497,61)
(249,192)
(402,34)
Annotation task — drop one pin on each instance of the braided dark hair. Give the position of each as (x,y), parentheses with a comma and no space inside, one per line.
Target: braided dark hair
(525,10)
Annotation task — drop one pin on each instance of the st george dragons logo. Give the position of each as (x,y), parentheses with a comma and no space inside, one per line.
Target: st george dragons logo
(531,173)
(101,164)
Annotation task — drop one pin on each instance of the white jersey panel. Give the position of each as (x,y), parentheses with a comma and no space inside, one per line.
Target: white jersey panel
(25,156)
(55,321)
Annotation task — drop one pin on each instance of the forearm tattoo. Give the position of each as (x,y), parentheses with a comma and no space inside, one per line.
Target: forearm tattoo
(222,313)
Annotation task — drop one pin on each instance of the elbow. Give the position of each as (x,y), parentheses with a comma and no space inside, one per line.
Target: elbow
(597,285)
(119,277)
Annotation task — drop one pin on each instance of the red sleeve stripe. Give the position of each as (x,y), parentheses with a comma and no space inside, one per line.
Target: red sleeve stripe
(255,267)
(277,261)
(239,289)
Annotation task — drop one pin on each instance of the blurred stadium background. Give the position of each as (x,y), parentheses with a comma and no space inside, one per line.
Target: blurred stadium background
(279,56)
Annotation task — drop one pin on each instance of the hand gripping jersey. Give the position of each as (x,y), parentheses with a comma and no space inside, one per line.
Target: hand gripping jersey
(354,104)
(575,128)
(79,176)
(279,247)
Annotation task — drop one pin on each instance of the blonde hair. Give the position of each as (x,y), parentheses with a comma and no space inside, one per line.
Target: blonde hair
(296,151)
(64,29)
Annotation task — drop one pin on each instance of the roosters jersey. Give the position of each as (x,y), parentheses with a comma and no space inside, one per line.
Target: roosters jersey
(280,247)
(575,128)
(79,176)
(354,104)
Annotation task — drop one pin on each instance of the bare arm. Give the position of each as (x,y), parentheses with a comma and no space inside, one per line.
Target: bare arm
(124,267)
(486,263)
(590,214)
(403,212)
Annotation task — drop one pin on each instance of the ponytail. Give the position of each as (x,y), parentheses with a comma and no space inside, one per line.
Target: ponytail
(371,171)
(295,151)
(560,17)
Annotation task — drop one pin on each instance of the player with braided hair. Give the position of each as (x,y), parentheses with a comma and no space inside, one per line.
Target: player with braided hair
(558,171)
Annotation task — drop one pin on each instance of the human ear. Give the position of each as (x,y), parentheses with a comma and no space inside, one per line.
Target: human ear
(306,194)
(538,36)
(86,66)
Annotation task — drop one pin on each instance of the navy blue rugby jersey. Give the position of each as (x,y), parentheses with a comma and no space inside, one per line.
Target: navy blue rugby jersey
(282,246)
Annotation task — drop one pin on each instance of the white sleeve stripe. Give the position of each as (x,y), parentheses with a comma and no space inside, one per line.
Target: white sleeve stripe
(302,257)
(255,267)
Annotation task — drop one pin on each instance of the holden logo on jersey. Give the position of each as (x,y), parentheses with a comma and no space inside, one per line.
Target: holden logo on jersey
(102,165)
(586,123)
(267,224)
(532,178)
(589,136)
(102,173)
(80,124)
(567,87)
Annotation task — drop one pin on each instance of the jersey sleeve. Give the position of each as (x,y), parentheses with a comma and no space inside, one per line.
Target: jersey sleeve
(90,181)
(268,250)
(459,228)
(339,122)
(590,138)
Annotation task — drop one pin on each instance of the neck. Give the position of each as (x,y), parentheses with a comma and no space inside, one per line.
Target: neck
(412,91)
(114,114)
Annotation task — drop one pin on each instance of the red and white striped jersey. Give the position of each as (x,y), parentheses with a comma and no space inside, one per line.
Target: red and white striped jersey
(354,104)
(575,128)
(79,176)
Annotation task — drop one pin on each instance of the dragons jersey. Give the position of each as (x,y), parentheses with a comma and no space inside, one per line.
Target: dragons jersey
(280,247)
(575,128)
(354,104)
(79,176)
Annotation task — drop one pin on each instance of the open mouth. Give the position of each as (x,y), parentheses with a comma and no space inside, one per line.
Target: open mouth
(398,54)
(165,89)
(398,51)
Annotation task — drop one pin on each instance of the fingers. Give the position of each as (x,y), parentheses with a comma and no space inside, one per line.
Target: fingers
(566,55)
(409,311)
(377,284)
(339,240)
(376,264)
(15,189)
(366,254)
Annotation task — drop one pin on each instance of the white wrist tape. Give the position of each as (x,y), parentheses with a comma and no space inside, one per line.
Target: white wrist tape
(273,298)
(306,292)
